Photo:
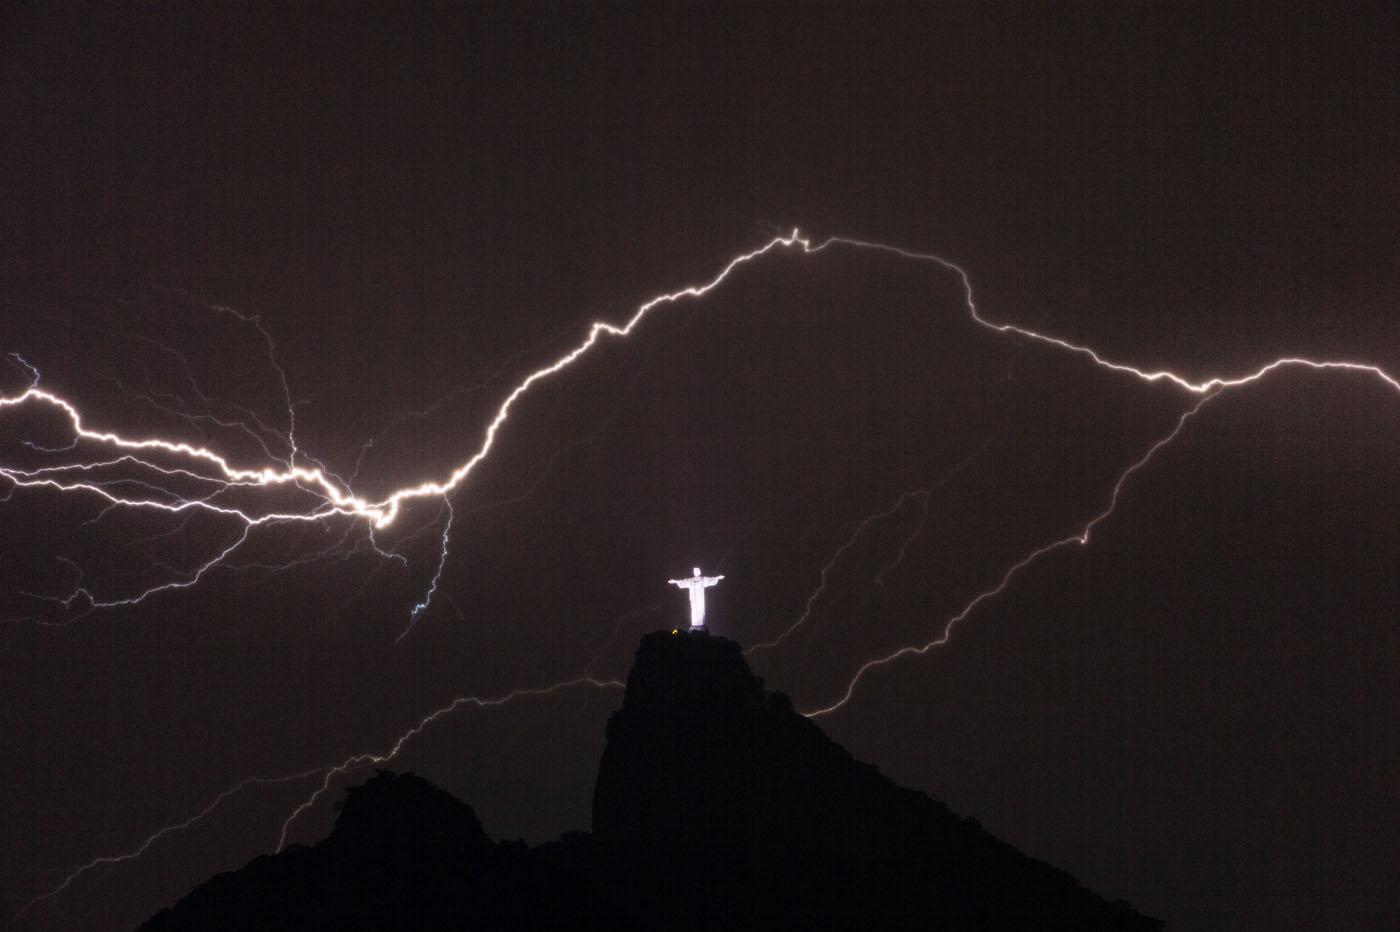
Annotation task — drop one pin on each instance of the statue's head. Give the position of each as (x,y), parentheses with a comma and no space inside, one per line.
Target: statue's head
(697,571)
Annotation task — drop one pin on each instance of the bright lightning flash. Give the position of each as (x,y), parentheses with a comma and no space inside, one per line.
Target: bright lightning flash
(162,468)
(173,476)
(176,477)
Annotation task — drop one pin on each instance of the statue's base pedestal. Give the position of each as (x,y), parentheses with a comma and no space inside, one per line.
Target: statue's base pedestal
(699,629)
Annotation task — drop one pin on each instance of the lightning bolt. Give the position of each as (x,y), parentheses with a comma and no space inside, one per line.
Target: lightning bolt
(326,773)
(1206,389)
(179,478)
(855,535)
(326,496)
(921,495)
(422,606)
(162,465)
(145,845)
(456,705)
(1080,537)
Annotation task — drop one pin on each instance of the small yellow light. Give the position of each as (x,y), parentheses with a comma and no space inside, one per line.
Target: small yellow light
(675,630)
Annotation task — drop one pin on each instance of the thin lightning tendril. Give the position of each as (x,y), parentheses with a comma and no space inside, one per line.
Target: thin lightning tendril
(1081,537)
(461,702)
(151,839)
(422,606)
(1207,389)
(831,564)
(327,774)
(922,495)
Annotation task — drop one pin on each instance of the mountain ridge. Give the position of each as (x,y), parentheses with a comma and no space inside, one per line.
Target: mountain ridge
(717,806)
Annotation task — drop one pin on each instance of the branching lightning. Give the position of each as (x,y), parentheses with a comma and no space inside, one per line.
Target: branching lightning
(326,773)
(921,495)
(855,535)
(326,495)
(437,575)
(176,477)
(456,705)
(1207,389)
(161,466)
(173,828)
(1081,537)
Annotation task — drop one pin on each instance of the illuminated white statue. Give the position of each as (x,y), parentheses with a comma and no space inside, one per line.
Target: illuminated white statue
(697,585)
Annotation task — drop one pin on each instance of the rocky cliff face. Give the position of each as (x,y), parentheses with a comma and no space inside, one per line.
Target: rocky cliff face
(716,807)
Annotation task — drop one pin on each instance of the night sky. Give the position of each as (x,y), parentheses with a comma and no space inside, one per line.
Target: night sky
(403,213)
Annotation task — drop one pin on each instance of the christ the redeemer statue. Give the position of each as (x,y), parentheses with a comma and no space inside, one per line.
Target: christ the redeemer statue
(697,585)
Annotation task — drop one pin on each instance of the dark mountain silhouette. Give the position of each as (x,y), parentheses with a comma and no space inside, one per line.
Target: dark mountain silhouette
(716,807)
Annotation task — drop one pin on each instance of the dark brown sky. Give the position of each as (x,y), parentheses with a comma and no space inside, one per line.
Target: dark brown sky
(1196,713)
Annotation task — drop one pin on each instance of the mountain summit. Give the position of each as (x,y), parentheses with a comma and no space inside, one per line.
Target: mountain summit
(727,809)
(716,807)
